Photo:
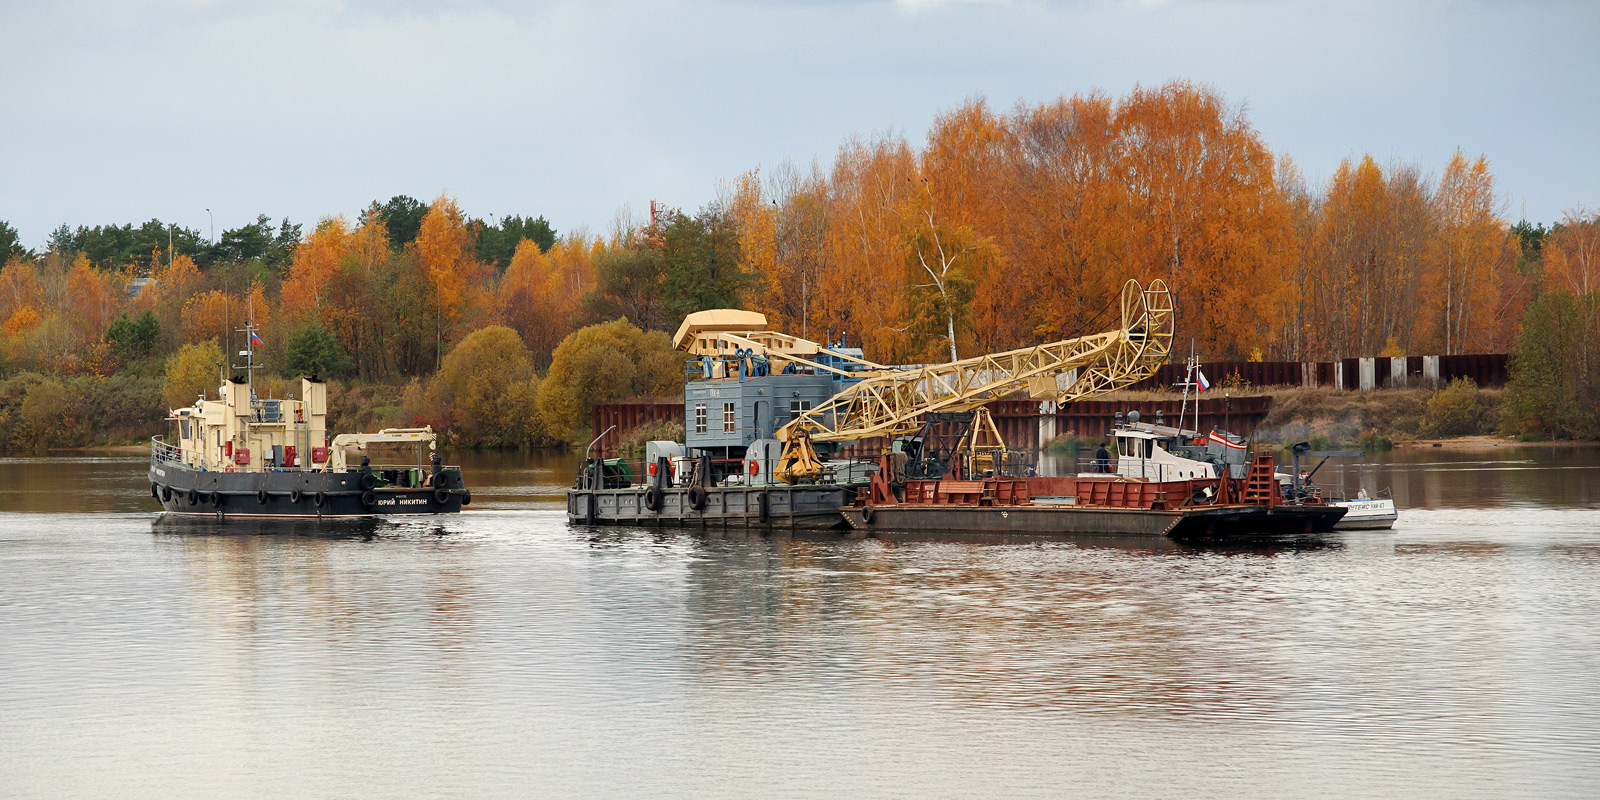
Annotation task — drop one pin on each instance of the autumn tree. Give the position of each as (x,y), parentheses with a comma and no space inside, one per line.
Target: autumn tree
(944,268)
(539,293)
(194,371)
(1571,253)
(448,261)
(603,363)
(485,393)
(1468,240)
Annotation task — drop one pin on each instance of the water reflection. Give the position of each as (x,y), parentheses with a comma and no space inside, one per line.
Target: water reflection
(503,652)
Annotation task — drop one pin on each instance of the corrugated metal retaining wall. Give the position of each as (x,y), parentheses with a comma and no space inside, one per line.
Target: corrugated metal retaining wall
(1365,374)
(627,416)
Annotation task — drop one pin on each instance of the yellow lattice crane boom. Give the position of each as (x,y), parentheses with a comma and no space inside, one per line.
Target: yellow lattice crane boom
(891,402)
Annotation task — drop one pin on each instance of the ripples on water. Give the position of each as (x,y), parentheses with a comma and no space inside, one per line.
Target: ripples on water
(504,653)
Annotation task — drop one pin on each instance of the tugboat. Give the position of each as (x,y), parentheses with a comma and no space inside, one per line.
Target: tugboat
(245,456)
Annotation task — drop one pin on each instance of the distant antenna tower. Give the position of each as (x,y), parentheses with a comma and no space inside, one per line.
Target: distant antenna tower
(653,213)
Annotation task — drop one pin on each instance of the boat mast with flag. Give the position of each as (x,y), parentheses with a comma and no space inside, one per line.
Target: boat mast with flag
(247,456)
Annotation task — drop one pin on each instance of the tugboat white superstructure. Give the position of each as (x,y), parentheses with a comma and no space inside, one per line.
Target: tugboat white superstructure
(241,455)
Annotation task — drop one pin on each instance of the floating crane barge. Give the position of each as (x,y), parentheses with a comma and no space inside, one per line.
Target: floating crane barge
(765,414)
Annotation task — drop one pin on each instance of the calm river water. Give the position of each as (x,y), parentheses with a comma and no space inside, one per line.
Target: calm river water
(503,653)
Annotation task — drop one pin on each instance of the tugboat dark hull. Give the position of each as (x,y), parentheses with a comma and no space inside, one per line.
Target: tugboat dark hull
(809,507)
(315,495)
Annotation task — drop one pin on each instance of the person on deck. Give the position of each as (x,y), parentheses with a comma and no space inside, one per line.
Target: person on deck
(1102,459)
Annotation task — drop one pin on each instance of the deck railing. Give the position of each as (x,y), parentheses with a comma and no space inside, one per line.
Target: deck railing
(163,453)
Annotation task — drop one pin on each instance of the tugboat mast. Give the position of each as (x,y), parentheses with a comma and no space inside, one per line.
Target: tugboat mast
(249,354)
(1188,380)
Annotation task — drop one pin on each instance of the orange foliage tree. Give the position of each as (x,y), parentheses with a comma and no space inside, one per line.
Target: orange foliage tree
(444,251)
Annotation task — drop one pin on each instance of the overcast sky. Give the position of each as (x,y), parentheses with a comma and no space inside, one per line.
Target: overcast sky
(124,110)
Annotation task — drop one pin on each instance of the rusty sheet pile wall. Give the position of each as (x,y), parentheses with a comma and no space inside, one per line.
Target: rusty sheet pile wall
(1363,374)
(1022,423)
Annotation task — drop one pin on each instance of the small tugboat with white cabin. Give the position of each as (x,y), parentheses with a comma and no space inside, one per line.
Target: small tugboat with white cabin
(245,456)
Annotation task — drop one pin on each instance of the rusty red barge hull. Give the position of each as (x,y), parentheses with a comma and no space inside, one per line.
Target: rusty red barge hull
(1187,510)
(1196,523)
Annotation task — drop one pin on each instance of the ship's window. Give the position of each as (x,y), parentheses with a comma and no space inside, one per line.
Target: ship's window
(728,418)
(699,417)
(796,407)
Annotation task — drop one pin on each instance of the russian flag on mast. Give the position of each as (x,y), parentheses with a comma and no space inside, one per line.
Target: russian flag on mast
(1200,381)
(256,340)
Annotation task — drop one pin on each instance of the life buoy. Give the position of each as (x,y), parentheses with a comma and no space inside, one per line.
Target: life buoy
(294,496)
(441,495)
(652,498)
(319,499)
(867,513)
(697,498)
(261,496)
(369,498)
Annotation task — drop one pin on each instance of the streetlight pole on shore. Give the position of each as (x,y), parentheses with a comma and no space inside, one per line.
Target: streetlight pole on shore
(213,239)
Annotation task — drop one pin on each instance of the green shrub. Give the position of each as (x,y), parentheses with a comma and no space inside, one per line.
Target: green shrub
(1455,410)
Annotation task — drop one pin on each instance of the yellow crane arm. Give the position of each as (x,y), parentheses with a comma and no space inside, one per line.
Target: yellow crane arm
(891,402)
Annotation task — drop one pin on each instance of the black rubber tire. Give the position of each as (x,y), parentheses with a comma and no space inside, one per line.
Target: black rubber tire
(194,497)
(319,499)
(155,491)
(763,514)
(215,499)
(369,498)
(697,498)
(652,498)
(441,495)
(867,514)
(466,497)
(166,493)
(368,481)
(294,496)
(261,496)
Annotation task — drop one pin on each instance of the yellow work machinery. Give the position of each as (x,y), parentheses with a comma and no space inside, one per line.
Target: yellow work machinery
(892,401)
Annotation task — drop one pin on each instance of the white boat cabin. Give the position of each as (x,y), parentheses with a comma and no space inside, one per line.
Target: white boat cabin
(243,433)
(1159,453)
